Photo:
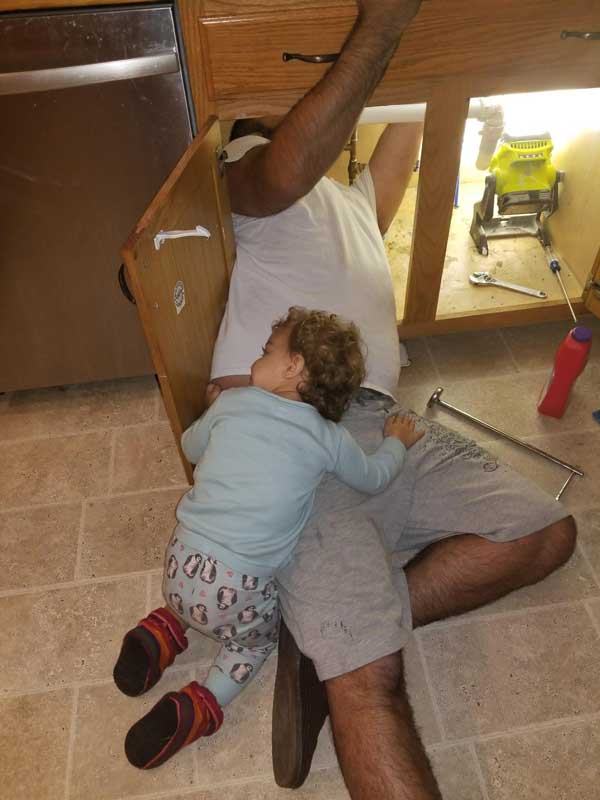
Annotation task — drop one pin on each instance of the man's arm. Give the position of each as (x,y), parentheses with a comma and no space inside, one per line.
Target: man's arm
(392,165)
(232,381)
(271,178)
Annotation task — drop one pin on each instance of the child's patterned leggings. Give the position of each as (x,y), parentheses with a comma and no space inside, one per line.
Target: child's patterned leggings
(239,610)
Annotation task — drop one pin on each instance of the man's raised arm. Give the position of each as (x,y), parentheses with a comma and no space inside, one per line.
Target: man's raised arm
(392,165)
(311,136)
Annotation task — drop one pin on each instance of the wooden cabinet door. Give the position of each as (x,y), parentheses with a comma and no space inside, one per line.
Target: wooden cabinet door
(181,287)
(592,297)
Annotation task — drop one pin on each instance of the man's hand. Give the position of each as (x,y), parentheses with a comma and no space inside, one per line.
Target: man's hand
(211,394)
(402,428)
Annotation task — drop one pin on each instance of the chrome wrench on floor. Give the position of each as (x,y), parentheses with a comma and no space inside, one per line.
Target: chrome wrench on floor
(485,279)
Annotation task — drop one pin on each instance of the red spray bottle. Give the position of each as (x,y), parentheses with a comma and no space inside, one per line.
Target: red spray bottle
(569,362)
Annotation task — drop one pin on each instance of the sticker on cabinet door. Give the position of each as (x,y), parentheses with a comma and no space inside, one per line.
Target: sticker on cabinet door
(179,296)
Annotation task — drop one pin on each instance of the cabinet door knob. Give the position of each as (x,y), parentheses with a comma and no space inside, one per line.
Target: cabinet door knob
(324,58)
(580,35)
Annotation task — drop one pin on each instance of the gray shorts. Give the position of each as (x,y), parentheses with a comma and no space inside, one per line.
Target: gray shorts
(344,595)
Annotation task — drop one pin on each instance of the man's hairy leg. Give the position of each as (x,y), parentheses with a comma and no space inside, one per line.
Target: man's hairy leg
(376,740)
(465,572)
(378,747)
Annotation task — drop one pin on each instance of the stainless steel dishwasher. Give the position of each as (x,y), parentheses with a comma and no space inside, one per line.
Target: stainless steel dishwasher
(93,117)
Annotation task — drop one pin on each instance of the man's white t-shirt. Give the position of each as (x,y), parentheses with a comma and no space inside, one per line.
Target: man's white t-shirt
(324,252)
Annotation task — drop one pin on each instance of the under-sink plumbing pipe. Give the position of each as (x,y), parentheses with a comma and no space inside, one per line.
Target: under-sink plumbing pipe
(492,117)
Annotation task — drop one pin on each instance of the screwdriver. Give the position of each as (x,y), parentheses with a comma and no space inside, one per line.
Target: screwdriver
(554,265)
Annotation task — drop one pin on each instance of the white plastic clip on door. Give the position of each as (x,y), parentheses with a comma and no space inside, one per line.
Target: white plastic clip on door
(161,236)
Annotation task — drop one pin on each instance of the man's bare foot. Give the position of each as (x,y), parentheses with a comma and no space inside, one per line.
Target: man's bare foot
(212,392)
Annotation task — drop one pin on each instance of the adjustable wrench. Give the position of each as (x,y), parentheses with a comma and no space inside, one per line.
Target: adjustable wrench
(485,279)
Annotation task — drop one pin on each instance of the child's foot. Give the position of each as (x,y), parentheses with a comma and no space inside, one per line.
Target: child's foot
(178,719)
(147,650)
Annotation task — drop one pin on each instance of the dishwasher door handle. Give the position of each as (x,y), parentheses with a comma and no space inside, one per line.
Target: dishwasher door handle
(44,80)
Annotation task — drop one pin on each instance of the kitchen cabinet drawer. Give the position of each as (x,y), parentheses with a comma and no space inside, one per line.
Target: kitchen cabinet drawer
(499,47)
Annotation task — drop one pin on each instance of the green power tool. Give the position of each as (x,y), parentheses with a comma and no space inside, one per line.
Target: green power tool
(525,182)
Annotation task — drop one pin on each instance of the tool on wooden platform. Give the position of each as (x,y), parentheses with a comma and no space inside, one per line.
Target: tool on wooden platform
(525,182)
(486,279)
(435,399)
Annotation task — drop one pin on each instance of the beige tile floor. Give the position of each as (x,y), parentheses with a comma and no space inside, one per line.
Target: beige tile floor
(507,698)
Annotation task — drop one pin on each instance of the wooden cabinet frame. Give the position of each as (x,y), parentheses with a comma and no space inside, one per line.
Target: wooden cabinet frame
(452,51)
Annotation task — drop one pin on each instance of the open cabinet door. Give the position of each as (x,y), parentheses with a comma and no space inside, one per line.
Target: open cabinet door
(181,284)
(592,298)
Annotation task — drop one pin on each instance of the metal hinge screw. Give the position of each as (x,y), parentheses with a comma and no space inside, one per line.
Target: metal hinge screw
(592,286)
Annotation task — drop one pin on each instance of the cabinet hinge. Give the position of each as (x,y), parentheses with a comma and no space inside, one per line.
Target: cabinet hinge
(592,286)
(222,157)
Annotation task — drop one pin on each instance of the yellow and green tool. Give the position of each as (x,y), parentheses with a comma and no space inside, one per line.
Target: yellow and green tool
(525,182)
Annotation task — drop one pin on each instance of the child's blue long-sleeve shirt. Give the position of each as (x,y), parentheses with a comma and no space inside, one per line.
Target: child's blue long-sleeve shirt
(259,459)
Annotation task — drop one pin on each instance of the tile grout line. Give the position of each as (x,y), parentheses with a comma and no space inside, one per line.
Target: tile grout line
(114,496)
(482,784)
(192,791)
(111,462)
(457,622)
(434,703)
(50,437)
(466,382)
(80,541)
(429,352)
(562,433)
(71,747)
(76,584)
(592,617)
(586,558)
(11,694)
(508,349)
(522,730)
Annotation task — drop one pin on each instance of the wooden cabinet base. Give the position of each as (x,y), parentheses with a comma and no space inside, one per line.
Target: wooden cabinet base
(549,312)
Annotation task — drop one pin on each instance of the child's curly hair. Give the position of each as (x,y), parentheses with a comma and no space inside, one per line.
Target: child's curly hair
(333,354)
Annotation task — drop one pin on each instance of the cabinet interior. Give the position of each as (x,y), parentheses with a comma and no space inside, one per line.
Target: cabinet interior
(573,120)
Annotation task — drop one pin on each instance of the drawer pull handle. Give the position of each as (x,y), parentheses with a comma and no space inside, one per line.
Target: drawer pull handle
(580,35)
(45,80)
(123,284)
(324,58)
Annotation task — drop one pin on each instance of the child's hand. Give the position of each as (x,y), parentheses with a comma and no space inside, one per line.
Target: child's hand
(212,392)
(402,428)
